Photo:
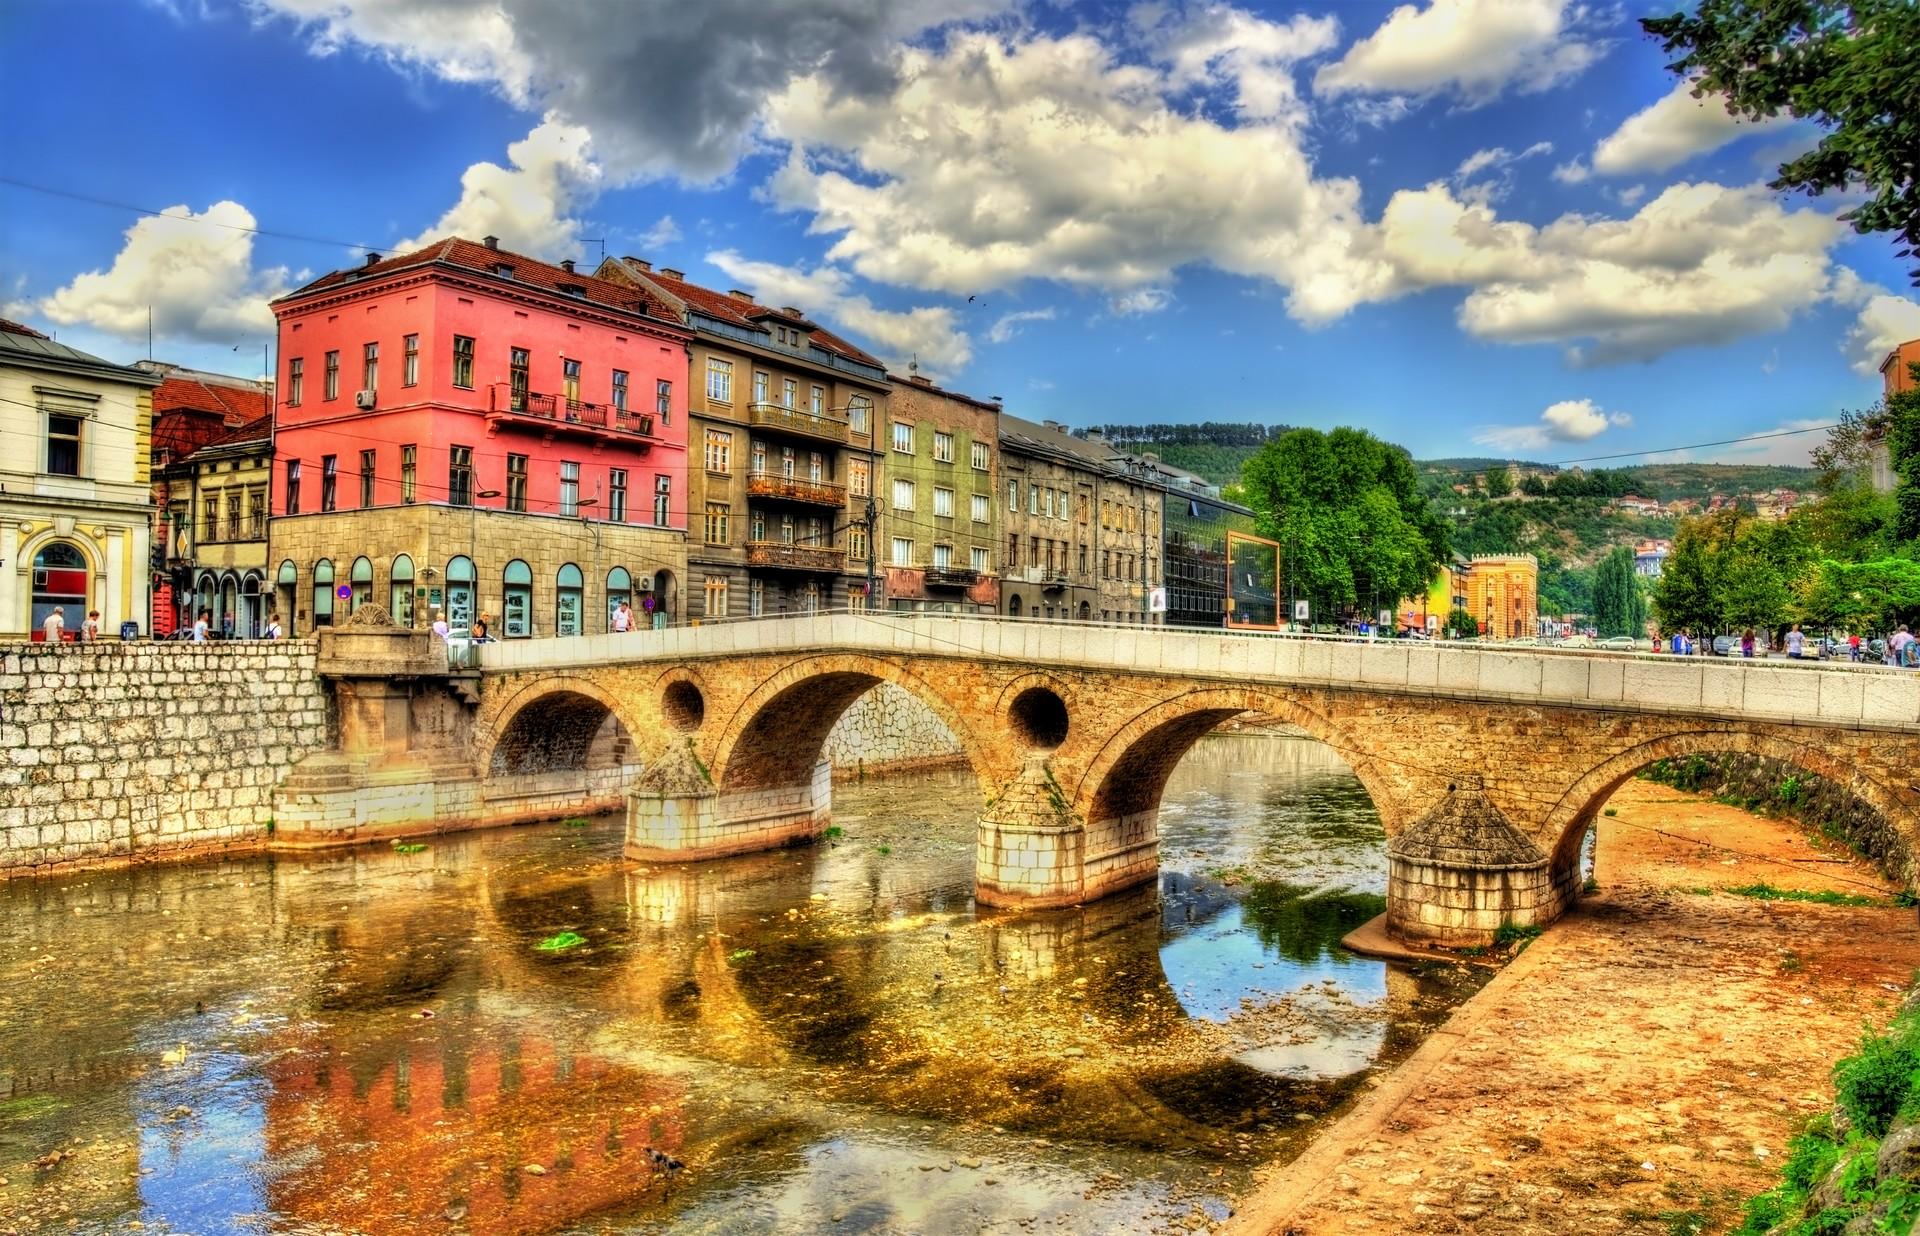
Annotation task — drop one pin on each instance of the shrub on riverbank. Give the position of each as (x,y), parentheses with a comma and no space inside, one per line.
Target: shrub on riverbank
(1858,1169)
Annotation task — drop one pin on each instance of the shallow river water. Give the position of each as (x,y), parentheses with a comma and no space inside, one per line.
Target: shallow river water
(831,1038)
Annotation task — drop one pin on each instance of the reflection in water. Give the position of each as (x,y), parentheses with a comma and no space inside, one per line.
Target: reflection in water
(824,1037)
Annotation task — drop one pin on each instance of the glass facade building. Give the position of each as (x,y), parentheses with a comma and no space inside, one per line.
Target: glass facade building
(1195,548)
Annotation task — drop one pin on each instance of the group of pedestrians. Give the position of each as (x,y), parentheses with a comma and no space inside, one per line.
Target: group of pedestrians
(1901,649)
(54,628)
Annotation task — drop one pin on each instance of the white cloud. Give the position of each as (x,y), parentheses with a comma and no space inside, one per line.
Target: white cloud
(927,333)
(1007,326)
(1573,172)
(1885,320)
(1139,302)
(1500,162)
(1475,50)
(1570,420)
(1667,133)
(526,205)
(194,271)
(661,234)
(1218,41)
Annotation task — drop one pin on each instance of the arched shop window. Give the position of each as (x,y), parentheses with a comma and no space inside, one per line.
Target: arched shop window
(59,579)
(461,597)
(323,593)
(400,586)
(569,591)
(516,600)
(362,580)
(619,588)
(286,589)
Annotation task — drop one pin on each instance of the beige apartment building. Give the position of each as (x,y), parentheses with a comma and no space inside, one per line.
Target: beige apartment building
(941,455)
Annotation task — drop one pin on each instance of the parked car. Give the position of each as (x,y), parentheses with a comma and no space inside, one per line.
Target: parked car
(1726,645)
(1620,643)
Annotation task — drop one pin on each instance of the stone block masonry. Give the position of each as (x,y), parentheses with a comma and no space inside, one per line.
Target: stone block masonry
(889,730)
(123,751)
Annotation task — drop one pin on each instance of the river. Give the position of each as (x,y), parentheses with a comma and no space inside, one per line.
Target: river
(825,1038)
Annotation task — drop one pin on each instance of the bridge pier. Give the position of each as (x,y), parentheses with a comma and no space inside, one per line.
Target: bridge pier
(1462,871)
(677,815)
(1032,852)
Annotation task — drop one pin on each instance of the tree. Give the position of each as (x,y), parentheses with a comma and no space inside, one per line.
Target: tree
(1463,624)
(1499,482)
(1860,596)
(1533,486)
(1347,511)
(1618,607)
(1688,594)
(1851,66)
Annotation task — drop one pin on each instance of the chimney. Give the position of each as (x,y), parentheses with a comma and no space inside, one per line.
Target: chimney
(737,294)
(372,258)
(1094,435)
(491,242)
(671,273)
(566,264)
(642,263)
(920,379)
(791,312)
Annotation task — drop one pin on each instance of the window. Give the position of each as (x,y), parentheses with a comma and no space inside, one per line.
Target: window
(663,400)
(942,503)
(757,530)
(759,456)
(786,529)
(569,488)
(463,361)
(902,494)
(716,523)
(1013,495)
(617,495)
(980,563)
(760,381)
(860,413)
(1046,503)
(902,551)
(1013,552)
(516,482)
(756,598)
(516,600)
(816,466)
(570,379)
(1083,560)
(333,375)
(569,592)
(370,367)
(903,437)
(296,380)
(789,390)
(619,588)
(857,544)
(719,380)
(210,518)
(980,458)
(943,557)
(942,446)
(1033,498)
(460,475)
(620,389)
(662,499)
(859,478)
(323,593)
(360,577)
(716,596)
(293,487)
(257,514)
(409,460)
(460,593)
(519,377)
(329,480)
(719,451)
(366,478)
(63,445)
(817,401)
(786,462)
(400,590)
(410,361)
(980,513)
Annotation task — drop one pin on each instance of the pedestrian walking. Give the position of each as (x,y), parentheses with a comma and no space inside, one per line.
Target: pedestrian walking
(1898,645)
(1853,647)
(479,631)
(90,629)
(440,627)
(274,629)
(1682,646)
(1746,643)
(201,626)
(1796,642)
(54,629)
(622,616)
(226,625)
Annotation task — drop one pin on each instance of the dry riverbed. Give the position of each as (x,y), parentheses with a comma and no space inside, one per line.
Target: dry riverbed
(1641,1066)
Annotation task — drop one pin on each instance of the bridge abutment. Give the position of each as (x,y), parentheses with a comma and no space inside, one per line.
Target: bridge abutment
(677,814)
(1462,871)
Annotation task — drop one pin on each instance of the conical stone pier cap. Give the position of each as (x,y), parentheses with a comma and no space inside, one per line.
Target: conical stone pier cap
(1466,829)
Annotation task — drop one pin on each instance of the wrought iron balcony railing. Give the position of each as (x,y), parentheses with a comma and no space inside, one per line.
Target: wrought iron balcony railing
(795,557)
(795,489)
(782,419)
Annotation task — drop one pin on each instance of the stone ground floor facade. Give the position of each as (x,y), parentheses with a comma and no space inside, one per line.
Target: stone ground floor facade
(75,554)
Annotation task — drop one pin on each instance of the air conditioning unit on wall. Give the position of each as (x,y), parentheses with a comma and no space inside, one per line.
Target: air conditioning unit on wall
(363,400)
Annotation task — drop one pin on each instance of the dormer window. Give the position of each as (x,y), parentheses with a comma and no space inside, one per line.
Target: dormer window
(572,289)
(503,269)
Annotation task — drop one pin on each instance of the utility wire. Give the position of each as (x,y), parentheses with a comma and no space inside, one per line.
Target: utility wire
(161,214)
(1758,437)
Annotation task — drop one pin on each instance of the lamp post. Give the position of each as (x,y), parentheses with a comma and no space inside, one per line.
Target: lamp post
(473,550)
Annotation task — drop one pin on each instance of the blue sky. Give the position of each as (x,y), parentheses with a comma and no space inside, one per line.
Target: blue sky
(1472,226)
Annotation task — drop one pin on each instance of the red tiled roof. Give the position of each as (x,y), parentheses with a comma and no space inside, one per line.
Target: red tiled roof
(15,328)
(748,313)
(237,405)
(256,430)
(533,272)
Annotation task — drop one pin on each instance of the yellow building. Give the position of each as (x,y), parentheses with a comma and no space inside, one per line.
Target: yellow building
(217,499)
(1503,594)
(75,509)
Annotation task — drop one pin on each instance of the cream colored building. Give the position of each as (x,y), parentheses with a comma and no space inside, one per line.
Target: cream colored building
(76,512)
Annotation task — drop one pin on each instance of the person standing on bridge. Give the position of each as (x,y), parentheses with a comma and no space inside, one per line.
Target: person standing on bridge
(1796,642)
(54,629)
(1746,643)
(622,616)
(440,627)
(1897,646)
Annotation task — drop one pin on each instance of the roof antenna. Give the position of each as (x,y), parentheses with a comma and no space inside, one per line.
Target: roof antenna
(913,366)
(596,240)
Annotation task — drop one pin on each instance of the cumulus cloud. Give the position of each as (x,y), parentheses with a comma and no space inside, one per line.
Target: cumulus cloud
(662,233)
(1884,321)
(1671,131)
(1007,326)
(927,333)
(1699,264)
(528,204)
(1570,420)
(193,270)
(1473,50)
(1258,56)
(1573,172)
(666,89)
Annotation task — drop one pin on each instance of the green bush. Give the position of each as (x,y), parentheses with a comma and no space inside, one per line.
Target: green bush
(1875,1085)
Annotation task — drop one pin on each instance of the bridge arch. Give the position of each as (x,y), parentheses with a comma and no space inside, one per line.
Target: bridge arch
(1566,822)
(776,735)
(554,724)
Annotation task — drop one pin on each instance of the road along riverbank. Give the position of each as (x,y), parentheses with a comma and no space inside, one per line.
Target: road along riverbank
(1641,1066)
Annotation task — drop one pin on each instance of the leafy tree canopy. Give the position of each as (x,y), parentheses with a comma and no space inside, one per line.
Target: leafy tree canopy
(1619,608)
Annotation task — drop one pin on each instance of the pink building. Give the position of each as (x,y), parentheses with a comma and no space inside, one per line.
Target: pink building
(468,429)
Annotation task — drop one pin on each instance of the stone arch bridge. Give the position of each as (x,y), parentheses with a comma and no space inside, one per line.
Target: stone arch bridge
(1487,764)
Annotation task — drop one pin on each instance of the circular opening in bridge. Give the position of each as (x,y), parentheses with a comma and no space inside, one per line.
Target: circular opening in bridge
(1039,718)
(685,707)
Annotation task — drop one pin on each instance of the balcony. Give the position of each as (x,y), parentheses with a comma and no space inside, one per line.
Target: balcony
(782,419)
(951,577)
(795,489)
(551,414)
(782,556)
(1052,580)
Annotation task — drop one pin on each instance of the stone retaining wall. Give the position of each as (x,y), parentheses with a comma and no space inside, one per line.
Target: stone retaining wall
(889,730)
(114,750)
